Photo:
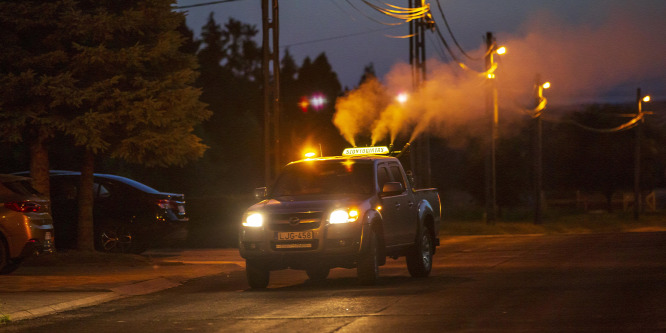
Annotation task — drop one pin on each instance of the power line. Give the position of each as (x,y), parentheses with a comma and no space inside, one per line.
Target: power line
(204,4)
(628,125)
(337,37)
(446,22)
(370,17)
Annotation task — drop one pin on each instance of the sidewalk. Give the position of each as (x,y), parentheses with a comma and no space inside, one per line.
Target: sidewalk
(50,284)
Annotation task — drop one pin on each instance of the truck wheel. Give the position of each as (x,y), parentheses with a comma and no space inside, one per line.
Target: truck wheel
(257,276)
(368,263)
(11,266)
(5,262)
(317,273)
(419,258)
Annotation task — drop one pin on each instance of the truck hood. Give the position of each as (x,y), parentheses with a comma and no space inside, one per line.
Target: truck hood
(307,203)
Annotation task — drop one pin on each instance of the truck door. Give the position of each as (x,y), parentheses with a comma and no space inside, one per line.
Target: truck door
(395,209)
(407,215)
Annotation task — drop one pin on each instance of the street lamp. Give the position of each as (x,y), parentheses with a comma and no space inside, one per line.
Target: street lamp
(402,98)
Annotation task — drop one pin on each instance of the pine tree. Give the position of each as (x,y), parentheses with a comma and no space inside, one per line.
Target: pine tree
(112,77)
(231,82)
(31,71)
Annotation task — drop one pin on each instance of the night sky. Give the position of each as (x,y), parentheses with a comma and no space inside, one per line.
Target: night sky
(591,50)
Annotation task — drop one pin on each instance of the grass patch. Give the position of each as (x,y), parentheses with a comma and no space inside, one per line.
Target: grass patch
(593,222)
(4,319)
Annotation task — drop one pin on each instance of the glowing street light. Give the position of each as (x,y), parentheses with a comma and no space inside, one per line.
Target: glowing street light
(317,101)
(500,50)
(402,98)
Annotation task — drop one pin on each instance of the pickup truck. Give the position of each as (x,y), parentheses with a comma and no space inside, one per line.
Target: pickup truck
(350,211)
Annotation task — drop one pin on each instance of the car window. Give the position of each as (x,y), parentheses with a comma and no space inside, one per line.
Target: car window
(5,191)
(397,175)
(101,191)
(333,177)
(383,176)
(63,189)
(20,187)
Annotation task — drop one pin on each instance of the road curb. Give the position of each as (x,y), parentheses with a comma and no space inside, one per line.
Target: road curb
(135,289)
(64,306)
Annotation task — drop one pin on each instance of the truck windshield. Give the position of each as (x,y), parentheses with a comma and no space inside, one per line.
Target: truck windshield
(324,177)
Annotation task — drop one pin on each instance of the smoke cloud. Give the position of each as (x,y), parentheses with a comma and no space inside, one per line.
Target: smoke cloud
(584,62)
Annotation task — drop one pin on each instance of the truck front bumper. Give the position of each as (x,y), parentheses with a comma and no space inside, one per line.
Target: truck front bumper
(331,245)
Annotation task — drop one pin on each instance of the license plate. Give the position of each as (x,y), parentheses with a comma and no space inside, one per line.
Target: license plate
(181,209)
(295,235)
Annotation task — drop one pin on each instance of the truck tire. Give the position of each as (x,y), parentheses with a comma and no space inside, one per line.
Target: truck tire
(367,268)
(419,258)
(4,255)
(257,276)
(317,272)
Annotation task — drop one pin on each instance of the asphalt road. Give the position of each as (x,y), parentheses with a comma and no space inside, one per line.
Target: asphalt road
(563,283)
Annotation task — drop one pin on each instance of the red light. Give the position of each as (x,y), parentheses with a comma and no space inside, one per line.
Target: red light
(304,104)
(23,206)
(166,204)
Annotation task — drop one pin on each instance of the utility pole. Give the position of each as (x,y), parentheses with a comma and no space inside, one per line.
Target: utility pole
(538,151)
(420,148)
(491,111)
(271,61)
(637,156)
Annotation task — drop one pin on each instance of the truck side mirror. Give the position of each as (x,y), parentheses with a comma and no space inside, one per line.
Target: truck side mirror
(260,193)
(392,188)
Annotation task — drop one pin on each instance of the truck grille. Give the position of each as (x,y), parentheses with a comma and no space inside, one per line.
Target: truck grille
(296,221)
(295,245)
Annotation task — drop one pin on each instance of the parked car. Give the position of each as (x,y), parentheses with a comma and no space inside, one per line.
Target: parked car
(128,216)
(26,227)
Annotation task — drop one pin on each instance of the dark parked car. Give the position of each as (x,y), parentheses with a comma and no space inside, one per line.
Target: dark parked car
(128,216)
(26,226)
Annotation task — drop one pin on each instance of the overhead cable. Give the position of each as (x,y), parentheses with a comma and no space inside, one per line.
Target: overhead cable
(336,37)
(370,17)
(446,22)
(457,60)
(203,4)
(538,110)
(628,125)
(401,13)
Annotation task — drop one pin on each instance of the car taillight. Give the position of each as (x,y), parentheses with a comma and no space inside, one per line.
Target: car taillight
(23,206)
(167,204)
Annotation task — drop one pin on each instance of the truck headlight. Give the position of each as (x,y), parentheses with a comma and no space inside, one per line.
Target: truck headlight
(253,219)
(343,216)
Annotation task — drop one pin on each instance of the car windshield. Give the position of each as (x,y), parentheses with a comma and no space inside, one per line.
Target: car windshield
(21,187)
(324,177)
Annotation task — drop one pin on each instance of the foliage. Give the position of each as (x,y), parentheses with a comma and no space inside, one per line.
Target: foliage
(230,70)
(109,75)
